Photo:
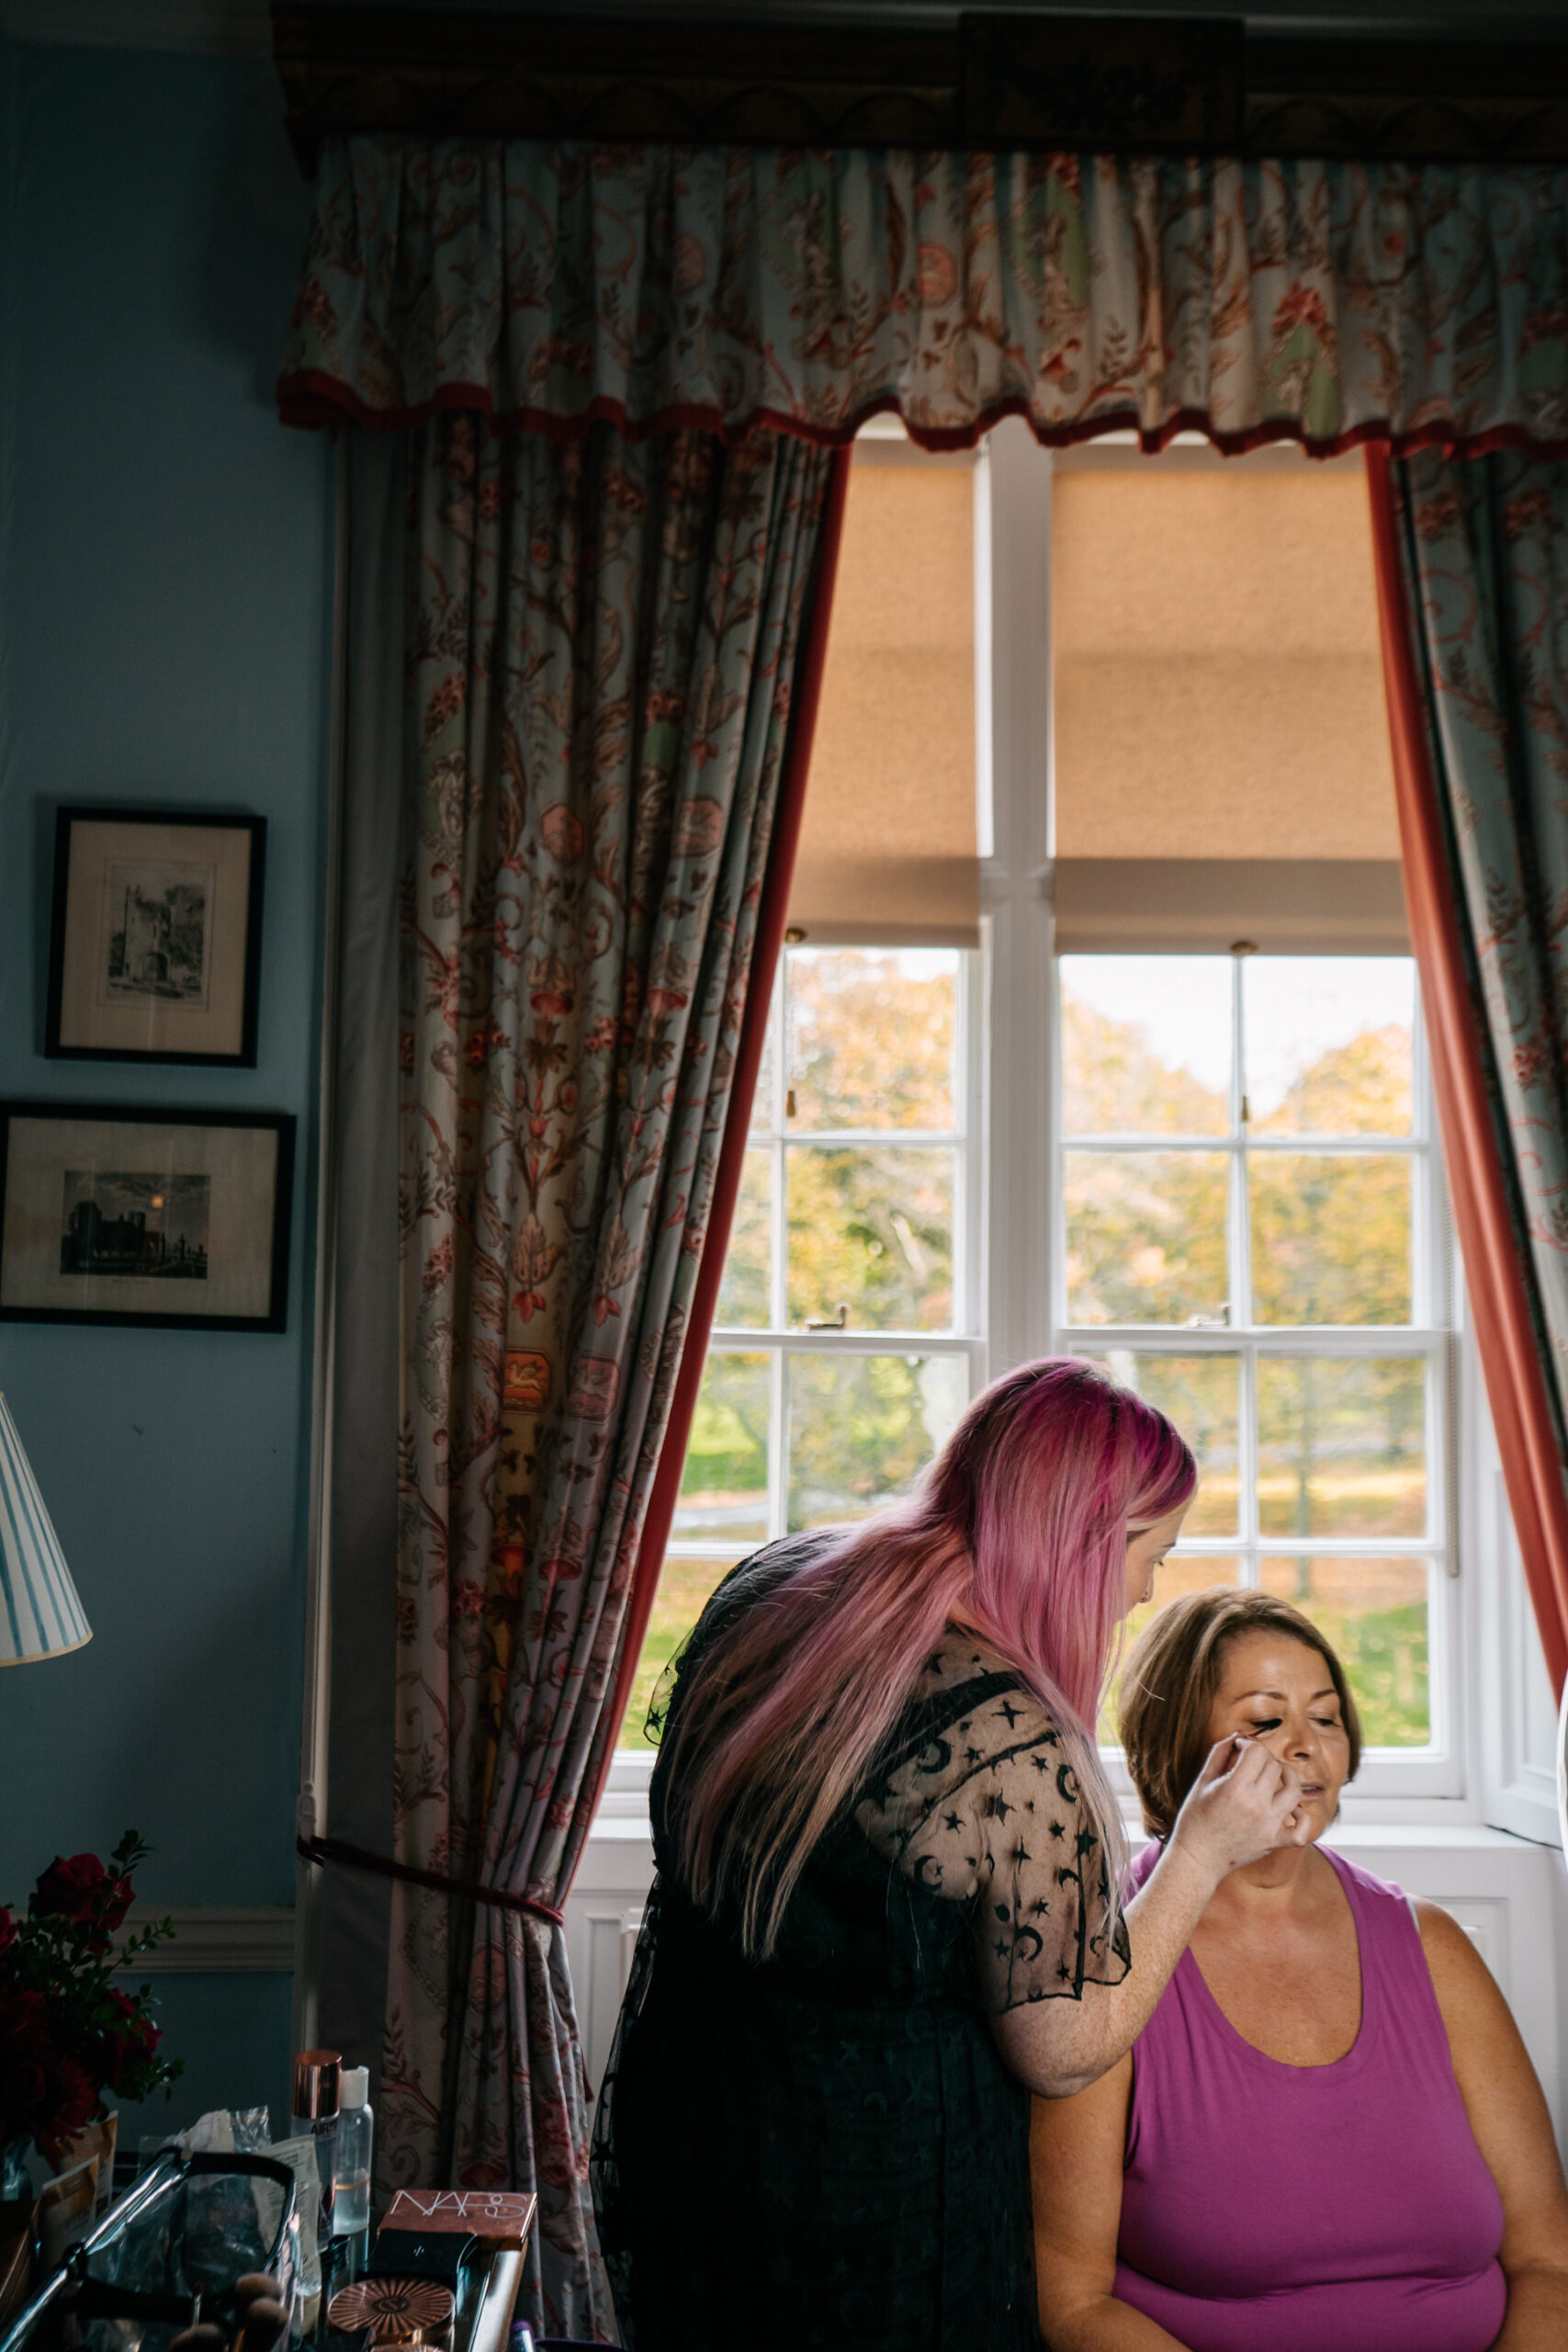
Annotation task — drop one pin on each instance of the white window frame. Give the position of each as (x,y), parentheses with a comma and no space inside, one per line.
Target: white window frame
(1437,1785)
(1013,1219)
(779,1134)
(1435,1769)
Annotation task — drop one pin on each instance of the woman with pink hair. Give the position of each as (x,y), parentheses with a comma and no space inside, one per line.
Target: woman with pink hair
(888,1904)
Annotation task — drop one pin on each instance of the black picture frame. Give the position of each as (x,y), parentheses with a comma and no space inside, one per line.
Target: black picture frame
(74,934)
(270,1269)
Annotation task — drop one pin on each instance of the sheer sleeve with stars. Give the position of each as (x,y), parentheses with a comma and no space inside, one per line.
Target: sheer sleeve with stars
(985,1809)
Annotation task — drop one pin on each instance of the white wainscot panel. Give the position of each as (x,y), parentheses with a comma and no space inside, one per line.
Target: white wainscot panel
(1509,1895)
(602,1914)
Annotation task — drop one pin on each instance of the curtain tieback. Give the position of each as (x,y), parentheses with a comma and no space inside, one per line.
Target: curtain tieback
(359,1858)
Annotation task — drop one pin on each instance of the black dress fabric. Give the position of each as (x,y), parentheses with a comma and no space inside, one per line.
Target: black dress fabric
(825,2149)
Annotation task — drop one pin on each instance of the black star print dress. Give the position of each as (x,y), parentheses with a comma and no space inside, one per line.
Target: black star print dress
(825,2149)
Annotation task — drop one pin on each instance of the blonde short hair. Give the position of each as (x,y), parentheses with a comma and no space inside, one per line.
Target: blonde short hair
(1172,1673)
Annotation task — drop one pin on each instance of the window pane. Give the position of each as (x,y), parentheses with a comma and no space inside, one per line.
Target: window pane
(870,1231)
(861,1428)
(1145,1237)
(1373,1613)
(1185,1572)
(872,1035)
(1201,1395)
(743,1292)
(683,1590)
(1330,1237)
(1328,1043)
(724,1487)
(1341,1446)
(1145,1045)
(763,1105)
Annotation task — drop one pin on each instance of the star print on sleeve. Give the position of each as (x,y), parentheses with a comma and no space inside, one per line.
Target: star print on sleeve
(951,1810)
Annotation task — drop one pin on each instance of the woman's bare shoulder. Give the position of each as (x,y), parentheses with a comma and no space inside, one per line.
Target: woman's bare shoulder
(1457,1967)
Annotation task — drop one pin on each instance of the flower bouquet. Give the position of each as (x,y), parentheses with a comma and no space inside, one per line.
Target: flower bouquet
(68,2034)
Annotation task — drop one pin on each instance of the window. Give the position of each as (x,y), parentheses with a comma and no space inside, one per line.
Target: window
(843,1349)
(1252,1236)
(1217,1175)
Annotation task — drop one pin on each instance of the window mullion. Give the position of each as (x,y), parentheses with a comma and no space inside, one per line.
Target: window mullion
(778,1484)
(1240,1312)
(778,1254)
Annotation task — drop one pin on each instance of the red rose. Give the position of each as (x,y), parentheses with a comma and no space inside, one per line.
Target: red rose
(130,2036)
(42,2094)
(7,1930)
(76,2102)
(70,1890)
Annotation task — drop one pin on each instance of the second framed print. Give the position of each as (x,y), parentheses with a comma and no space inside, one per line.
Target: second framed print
(155,953)
(173,1219)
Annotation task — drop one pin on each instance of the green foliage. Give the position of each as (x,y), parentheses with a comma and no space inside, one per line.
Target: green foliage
(871,1043)
(1112,1083)
(870,1229)
(728,1455)
(1361,1088)
(683,1591)
(1330,1238)
(743,1292)
(1146,1231)
(1384,1655)
(1146,1237)
(861,1428)
(1341,1446)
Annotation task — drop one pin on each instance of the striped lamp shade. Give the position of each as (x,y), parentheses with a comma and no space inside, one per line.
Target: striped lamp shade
(40,1613)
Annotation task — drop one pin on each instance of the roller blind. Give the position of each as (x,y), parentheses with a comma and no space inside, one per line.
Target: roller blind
(1221,754)
(888,842)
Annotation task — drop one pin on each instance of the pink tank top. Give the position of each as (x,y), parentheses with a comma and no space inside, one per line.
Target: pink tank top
(1310,2208)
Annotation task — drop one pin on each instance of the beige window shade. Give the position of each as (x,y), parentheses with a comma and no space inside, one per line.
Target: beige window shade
(1222,760)
(888,842)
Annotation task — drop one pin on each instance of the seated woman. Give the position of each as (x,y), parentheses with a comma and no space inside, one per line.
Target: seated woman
(1328,2137)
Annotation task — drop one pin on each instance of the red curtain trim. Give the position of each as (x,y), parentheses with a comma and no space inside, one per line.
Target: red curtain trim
(766,948)
(1505,1335)
(315,401)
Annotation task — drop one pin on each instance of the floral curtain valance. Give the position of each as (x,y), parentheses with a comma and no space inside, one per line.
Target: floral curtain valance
(547,284)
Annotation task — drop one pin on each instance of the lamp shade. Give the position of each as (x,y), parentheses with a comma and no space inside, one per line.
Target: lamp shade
(40,1613)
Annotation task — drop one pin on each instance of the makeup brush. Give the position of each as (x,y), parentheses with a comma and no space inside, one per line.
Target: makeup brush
(263,2318)
(205,2338)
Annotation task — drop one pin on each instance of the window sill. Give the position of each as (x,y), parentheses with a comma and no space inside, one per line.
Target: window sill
(623,1821)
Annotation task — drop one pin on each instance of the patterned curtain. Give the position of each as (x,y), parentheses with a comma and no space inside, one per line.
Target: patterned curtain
(1473,585)
(547,282)
(602,641)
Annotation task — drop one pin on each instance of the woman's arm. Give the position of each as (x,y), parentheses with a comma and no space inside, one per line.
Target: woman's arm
(1074,2162)
(1237,1811)
(1513,2130)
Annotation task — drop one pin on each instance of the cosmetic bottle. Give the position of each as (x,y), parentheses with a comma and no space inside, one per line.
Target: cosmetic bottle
(351,2194)
(314,2114)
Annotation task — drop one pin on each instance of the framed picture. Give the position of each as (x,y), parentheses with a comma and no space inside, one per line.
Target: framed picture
(177,1219)
(156,950)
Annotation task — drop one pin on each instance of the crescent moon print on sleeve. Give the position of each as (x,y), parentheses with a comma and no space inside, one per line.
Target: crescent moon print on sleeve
(977,1806)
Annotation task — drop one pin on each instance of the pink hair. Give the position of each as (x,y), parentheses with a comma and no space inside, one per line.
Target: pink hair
(1020,1529)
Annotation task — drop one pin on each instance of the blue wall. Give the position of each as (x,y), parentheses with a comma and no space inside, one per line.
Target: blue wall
(165,637)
